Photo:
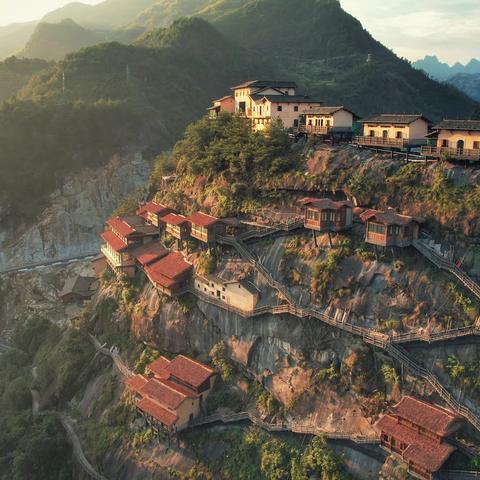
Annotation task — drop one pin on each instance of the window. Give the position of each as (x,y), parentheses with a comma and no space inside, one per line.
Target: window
(279,108)
(476,145)
(223,288)
(399,135)
(372,133)
(376,228)
(295,108)
(312,215)
(295,123)
(328,123)
(445,143)
(223,297)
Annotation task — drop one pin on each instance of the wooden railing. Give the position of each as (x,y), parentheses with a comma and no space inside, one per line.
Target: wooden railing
(458,474)
(444,264)
(458,153)
(381,142)
(294,427)
(314,129)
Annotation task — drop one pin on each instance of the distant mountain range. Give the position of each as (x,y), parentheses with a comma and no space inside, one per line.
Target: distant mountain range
(468,83)
(442,71)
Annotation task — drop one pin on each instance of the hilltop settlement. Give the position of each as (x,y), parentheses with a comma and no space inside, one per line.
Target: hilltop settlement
(221,261)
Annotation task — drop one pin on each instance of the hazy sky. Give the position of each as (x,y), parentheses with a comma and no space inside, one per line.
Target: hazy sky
(449,29)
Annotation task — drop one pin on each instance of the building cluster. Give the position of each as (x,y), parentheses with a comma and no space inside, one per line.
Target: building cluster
(417,433)
(172,393)
(266,101)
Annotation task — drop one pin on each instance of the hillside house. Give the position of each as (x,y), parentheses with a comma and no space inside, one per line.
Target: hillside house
(172,392)
(153,213)
(417,432)
(205,228)
(328,122)
(390,229)
(454,140)
(123,235)
(178,227)
(394,131)
(325,215)
(170,274)
(78,288)
(240,294)
(224,104)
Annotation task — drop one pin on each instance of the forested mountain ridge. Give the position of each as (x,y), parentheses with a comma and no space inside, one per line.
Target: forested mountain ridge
(109,97)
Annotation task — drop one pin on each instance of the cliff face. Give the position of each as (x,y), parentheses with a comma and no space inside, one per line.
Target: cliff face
(69,227)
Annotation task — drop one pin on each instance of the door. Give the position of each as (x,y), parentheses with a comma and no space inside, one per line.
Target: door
(460,145)
(385,134)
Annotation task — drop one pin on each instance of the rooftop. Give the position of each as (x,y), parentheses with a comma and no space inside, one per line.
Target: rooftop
(189,371)
(388,217)
(471,125)
(326,203)
(160,392)
(203,219)
(431,417)
(155,410)
(149,253)
(114,241)
(174,219)
(328,110)
(155,208)
(421,449)
(79,285)
(136,382)
(131,224)
(285,98)
(171,266)
(397,118)
(157,367)
(267,83)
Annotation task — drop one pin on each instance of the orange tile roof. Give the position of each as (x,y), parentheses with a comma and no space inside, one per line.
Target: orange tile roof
(156,389)
(171,266)
(153,207)
(174,219)
(136,382)
(158,367)
(115,242)
(149,253)
(120,226)
(326,203)
(189,371)
(431,417)
(388,217)
(202,219)
(152,408)
(422,450)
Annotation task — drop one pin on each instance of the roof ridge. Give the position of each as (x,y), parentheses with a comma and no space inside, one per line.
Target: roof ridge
(197,362)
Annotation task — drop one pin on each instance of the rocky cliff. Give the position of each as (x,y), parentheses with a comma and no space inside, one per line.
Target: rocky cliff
(69,227)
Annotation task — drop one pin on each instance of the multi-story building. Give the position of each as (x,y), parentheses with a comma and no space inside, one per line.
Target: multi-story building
(325,215)
(328,122)
(122,236)
(390,229)
(416,432)
(264,101)
(394,131)
(172,392)
(224,104)
(178,227)
(455,140)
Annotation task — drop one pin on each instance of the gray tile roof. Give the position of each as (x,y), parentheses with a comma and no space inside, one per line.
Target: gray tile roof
(472,125)
(402,119)
(267,83)
(286,98)
(328,110)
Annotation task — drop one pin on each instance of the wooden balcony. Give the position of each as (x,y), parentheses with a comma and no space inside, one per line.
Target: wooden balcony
(313,129)
(454,153)
(381,142)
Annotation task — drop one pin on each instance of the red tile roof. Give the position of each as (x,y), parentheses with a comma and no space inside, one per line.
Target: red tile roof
(171,266)
(120,226)
(202,219)
(158,367)
(136,382)
(431,417)
(422,450)
(160,392)
(189,393)
(326,203)
(159,279)
(153,207)
(174,219)
(115,242)
(189,371)
(156,411)
(149,253)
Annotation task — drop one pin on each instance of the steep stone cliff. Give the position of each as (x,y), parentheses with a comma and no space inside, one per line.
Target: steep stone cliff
(70,225)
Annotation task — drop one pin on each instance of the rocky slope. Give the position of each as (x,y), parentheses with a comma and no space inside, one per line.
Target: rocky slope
(69,227)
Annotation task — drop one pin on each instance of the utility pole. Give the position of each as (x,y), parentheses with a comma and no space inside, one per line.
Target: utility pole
(64,83)
(128,74)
